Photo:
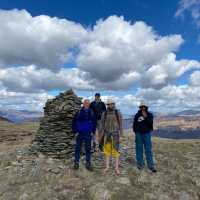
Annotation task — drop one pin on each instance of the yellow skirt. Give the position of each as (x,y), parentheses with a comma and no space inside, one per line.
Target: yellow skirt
(109,150)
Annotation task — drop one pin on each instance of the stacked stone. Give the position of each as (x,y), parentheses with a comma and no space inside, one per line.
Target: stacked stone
(54,137)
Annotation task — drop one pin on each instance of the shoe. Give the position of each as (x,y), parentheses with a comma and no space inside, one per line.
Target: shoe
(89,167)
(140,167)
(92,151)
(153,169)
(100,147)
(76,166)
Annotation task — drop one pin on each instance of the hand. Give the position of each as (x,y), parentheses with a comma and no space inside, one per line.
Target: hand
(92,134)
(122,138)
(144,113)
(132,134)
(100,137)
(76,134)
(96,138)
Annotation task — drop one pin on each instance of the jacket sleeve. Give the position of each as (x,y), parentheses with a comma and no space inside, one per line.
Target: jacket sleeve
(149,120)
(101,125)
(135,123)
(94,122)
(92,106)
(120,124)
(74,121)
(103,107)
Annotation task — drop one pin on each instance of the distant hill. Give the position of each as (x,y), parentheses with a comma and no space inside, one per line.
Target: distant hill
(188,113)
(19,116)
(180,125)
(4,119)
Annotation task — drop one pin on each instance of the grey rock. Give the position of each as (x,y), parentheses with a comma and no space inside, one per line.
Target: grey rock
(54,137)
(24,196)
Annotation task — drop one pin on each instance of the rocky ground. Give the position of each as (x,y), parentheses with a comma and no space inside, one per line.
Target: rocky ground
(27,177)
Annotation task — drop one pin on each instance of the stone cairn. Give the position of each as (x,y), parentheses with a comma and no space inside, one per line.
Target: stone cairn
(54,137)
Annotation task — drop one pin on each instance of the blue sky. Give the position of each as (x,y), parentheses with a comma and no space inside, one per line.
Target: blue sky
(167,20)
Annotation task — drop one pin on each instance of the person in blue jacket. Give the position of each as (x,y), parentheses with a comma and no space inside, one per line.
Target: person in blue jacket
(84,126)
(143,126)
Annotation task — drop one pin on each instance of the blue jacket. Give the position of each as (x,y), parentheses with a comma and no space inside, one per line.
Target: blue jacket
(84,121)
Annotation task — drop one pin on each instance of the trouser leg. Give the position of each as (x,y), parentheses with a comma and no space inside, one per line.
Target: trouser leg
(79,141)
(139,149)
(88,149)
(148,150)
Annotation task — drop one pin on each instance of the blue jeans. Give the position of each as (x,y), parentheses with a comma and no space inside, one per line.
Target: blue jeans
(143,142)
(85,138)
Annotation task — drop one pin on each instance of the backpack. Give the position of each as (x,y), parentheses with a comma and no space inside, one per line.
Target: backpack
(101,143)
(116,114)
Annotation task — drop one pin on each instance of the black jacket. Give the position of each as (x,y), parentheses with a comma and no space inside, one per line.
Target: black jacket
(141,124)
(98,108)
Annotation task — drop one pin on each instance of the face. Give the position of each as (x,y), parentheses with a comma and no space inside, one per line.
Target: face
(97,98)
(110,106)
(86,103)
(143,108)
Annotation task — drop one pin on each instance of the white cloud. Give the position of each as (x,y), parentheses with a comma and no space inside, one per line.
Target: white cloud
(117,49)
(195,78)
(189,6)
(167,71)
(172,97)
(114,54)
(30,79)
(40,40)
(19,100)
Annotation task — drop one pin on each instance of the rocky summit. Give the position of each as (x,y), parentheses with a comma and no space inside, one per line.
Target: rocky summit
(54,137)
(25,176)
(43,175)
(30,177)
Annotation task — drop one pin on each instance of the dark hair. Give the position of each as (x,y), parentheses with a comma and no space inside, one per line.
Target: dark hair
(97,95)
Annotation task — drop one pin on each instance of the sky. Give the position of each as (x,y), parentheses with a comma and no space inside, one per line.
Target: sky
(128,50)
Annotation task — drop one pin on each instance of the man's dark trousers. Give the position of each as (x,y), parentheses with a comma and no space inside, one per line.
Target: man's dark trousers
(85,138)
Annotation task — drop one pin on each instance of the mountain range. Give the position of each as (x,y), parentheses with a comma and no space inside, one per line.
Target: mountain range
(19,116)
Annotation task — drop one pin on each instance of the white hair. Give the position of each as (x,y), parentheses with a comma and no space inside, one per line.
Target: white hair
(85,100)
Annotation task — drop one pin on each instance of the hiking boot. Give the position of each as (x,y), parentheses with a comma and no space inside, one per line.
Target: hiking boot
(101,147)
(93,151)
(89,167)
(153,169)
(140,167)
(76,166)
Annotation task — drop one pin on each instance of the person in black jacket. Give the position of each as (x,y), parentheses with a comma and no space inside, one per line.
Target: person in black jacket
(143,126)
(98,107)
